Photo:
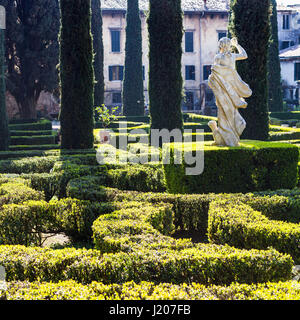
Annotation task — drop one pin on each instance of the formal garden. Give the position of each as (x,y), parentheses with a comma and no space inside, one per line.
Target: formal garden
(72,228)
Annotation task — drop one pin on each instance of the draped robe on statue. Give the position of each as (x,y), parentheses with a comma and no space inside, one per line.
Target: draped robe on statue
(229,90)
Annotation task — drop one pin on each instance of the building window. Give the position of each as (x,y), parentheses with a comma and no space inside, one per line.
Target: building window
(206,72)
(189,99)
(115,40)
(297,71)
(285,22)
(284,44)
(189,72)
(189,41)
(115,73)
(221,34)
(143,72)
(116,97)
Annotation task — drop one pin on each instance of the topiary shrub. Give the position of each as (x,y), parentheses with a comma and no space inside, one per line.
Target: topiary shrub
(253,166)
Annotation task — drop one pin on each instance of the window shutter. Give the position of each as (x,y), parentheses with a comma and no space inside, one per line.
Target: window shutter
(189,41)
(121,73)
(110,71)
(115,40)
(206,72)
(297,71)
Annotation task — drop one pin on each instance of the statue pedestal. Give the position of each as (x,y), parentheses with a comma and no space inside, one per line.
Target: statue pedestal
(253,166)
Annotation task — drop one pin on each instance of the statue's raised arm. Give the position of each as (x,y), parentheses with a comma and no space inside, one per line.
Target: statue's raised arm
(229,90)
(242,53)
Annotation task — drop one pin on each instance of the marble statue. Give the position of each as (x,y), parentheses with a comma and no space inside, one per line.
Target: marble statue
(229,90)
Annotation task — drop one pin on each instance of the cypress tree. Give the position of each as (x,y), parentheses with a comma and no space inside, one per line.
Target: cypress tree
(250,24)
(165,25)
(4,131)
(133,86)
(274,72)
(98,52)
(31,51)
(76,75)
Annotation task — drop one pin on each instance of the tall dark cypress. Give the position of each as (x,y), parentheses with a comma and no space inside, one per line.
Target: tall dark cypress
(133,86)
(98,52)
(250,24)
(31,51)
(274,77)
(76,75)
(165,25)
(4,131)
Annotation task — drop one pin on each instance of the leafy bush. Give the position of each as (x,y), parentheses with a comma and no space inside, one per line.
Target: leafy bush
(252,167)
(26,223)
(17,192)
(40,125)
(23,133)
(138,178)
(72,290)
(285,115)
(205,264)
(33,140)
(279,136)
(28,165)
(238,225)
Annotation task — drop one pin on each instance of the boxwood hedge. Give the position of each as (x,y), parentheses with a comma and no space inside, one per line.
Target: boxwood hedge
(72,290)
(253,166)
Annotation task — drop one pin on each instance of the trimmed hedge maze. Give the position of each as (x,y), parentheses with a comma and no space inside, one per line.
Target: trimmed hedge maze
(125,232)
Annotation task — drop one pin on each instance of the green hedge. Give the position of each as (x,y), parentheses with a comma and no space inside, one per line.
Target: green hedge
(253,166)
(23,153)
(145,119)
(33,140)
(22,133)
(28,148)
(28,165)
(191,211)
(135,226)
(205,264)
(285,115)
(16,192)
(40,125)
(238,225)
(27,223)
(72,290)
(22,121)
(138,178)
(279,136)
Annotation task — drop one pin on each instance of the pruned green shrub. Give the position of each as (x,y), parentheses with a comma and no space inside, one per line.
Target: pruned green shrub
(205,264)
(253,166)
(72,290)
(17,192)
(33,126)
(138,178)
(238,225)
(33,140)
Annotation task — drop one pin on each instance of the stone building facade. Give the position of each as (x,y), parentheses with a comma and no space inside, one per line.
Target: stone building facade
(289,44)
(204,23)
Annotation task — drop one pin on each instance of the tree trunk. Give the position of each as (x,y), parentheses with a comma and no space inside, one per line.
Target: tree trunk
(27,108)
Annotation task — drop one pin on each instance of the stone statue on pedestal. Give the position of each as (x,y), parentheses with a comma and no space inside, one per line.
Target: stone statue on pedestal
(229,90)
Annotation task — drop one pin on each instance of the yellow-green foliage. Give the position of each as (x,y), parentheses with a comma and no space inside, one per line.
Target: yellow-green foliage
(71,290)
(17,192)
(237,224)
(253,166)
